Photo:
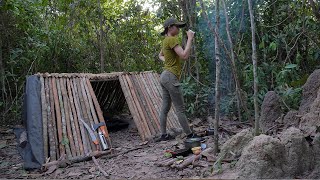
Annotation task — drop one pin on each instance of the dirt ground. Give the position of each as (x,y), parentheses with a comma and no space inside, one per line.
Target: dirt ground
(138,163)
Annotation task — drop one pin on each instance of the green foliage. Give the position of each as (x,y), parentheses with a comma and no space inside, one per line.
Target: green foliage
(196,97)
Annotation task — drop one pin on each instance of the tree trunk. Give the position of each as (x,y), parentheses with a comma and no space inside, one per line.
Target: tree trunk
(101,43)
(217,84)
(255,76)
(233,64)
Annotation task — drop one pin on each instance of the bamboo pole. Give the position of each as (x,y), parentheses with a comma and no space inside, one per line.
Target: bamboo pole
(98,109)
(58,113)
(65,140)
(44,119)
(143,104)
(74,122)
(52,142)
(67,109)
(85,111)
(133,110)
(78,109)
(143,119)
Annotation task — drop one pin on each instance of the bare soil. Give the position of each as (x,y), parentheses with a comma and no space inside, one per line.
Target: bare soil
(138,163)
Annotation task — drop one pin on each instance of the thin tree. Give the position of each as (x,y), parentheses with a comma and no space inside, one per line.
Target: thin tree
(254,62)
(101,43)
(233,64)
(217,83)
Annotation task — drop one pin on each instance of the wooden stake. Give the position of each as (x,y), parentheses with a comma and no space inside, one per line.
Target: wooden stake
(58,113)
(52,141)
(97,107)
(67,109)
(44,119)
(141,101)
(89,120)
(143,119)
(85,117)
(132,107)
(79,111)
(74,122)
(65,139)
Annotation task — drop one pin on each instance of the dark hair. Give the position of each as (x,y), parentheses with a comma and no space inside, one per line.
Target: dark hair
(166,30)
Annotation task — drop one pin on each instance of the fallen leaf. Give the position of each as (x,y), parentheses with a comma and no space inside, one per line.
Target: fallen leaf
(51,169)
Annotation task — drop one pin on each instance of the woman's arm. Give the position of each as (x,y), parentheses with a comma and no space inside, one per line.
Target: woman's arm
(184,54)
(161,56)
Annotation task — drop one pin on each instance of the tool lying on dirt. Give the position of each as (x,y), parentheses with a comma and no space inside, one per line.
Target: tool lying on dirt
(91,133)
(101,127)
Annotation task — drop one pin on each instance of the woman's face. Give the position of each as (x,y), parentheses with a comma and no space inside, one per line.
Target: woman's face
(174,30)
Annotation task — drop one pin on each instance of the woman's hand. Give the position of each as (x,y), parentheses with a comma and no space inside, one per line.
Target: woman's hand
(190,34)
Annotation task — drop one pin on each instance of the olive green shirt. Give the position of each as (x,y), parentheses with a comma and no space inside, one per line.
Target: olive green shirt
(172,61)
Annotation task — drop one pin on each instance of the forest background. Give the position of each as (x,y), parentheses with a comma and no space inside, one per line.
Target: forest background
(70,36)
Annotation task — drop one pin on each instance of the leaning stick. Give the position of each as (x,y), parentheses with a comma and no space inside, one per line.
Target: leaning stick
(84,114)
(44,119)
(98,109)
(58,113)
(87,108)
(52,141)
(75,122)
(63,120)
(76,96)
(152,106)
(53,118)
(148,133)
(67,116)
(131,106)
(147,105)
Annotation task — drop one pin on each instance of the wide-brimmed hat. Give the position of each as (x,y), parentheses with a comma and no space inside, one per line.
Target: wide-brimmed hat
(170,22)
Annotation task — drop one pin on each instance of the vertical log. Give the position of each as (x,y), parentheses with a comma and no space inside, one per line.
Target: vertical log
(84,111)
(53,117)
(67,116)
(90,121)
(65,140)
(58,113)
(75,123)
(44,119)
(79,111)
(52,141)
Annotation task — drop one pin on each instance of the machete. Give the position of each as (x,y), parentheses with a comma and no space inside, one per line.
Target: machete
(91,133)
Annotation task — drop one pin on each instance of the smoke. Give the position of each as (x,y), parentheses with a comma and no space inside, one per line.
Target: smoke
(227,86)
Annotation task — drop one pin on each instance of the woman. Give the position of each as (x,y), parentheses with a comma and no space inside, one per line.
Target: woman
(170,54)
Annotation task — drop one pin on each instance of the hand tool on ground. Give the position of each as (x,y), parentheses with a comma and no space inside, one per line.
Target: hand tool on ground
(91,133)
(101,127)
